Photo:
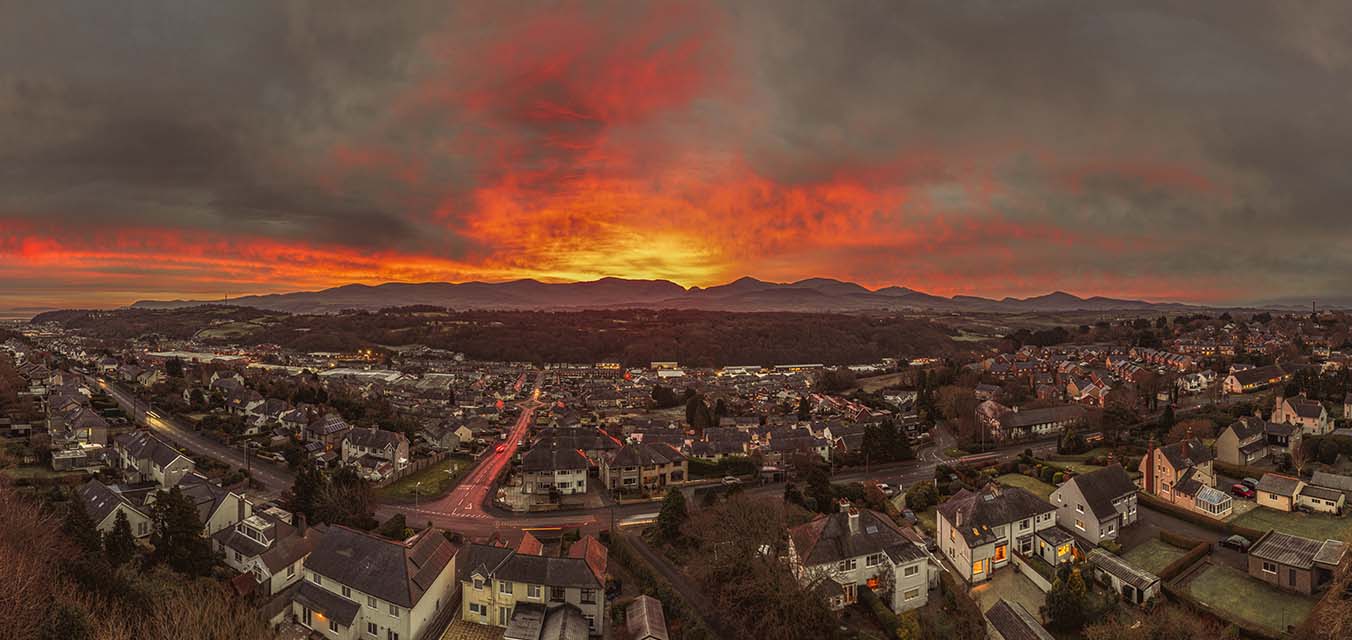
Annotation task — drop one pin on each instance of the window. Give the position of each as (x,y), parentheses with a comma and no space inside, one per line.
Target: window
(1269,567)
(503,614)
(476,609)
(978,567)
(911,570)
(912,594)
(1001,552)
(347,592)
(589,596)
(314,577)
(1079,508)
(238,557)
(533,591)
(873,560)
(504,587)
(372,630)
(371,601)
(556,594)
(478,584)
(1079,524)
(391,635)
(846,565)
(394,611)
(333,625)
(291,571)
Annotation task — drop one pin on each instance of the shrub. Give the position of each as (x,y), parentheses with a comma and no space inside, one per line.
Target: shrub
(1179,540)
(886,619)
(1047,474)
(1113,547)
(1058,477)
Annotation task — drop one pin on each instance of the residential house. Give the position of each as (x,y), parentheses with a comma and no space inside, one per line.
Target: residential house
(102,503)
(360,585)
(441,437)
(1254,379)
(1277,491)
(218,508)
(390,446)
(1096,505)
(270,546)
(497,583)
(855,548)
(328,431)
(75,424)
(644,619)
(977,531)
(1182,474)
(1244,442)
(1333,481)
(146,458)
(1008,620)
(1309,415)
(547,469)
(1132,584)
(644,467)
(1295,563)
(1005,423)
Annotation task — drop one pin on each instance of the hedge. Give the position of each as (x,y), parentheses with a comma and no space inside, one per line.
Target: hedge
(1177,567)
(674,605)
(1237,470)
(886,619)
(1179,540)
(1189,515)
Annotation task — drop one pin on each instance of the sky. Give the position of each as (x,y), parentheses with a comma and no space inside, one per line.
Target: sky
(1194,151)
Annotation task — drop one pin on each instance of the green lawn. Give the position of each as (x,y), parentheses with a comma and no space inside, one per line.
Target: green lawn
(1153,556)
(435,481)
(1310,525)
(36,472)
(1228,590)
(1033,485)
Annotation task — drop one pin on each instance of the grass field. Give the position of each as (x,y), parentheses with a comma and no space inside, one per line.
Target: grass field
(435,482)
(1153,556)
(1033,485)
(876,383)
(1230,591)
(33,472)
(1310,525)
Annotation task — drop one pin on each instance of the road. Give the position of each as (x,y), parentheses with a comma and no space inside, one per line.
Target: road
(274,478)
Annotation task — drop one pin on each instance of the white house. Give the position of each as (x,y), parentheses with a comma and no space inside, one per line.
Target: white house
(854,548)
(146,458)
(1096,505)
(1309,415)
(979,530)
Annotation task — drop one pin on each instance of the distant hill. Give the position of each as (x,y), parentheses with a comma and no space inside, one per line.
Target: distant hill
(745,294)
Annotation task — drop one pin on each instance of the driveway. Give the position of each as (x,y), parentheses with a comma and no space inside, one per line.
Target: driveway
(1150,522)
(1007,584)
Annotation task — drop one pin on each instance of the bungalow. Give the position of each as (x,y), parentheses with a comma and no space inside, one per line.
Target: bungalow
(500,586)
(1276,491)
(1096,505)
(1007,423)
(102,503)
(360,585)
(1295,563)
(854,548)
(1181,473)
(1333,481)
(1309,415)
(1250,380)
(976,529)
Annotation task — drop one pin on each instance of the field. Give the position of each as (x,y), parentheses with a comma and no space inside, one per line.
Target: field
(1153,555)
(1312,525)
(1228,590)
(435,482)
(877,383)
(1033,485)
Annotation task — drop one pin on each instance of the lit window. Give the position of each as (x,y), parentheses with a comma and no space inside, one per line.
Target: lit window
(1001,552)
(978,567)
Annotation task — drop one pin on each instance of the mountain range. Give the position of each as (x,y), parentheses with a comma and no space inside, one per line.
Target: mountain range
(745,294)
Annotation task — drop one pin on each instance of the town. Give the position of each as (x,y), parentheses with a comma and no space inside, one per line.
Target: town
(1164,474)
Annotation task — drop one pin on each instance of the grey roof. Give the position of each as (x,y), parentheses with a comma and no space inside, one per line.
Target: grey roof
(1295,551)
(500,563)
(1331,553)
(645,455)
(143,445)
(531,621)
(397,572)
(375,438)
(206,496)
(1247,427)
(1013,622)
(1331,480)
(1306,408)
(1118,568)
(100,500)
(1046,415)
(332,605)
(1254,447)
(1187,453)
(1323,493)
(829,539)
(550,458)
(1055,536)
(1278,484)
(1259,375)
(645,619)
(329,424)
(990,507)
(1103,486)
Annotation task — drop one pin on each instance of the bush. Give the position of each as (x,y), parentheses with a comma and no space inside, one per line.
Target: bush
(1058,477)
(886,619)
(921,496)
(1179,540)
(1047,474)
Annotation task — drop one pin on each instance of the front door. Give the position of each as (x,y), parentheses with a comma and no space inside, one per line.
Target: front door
(305,616)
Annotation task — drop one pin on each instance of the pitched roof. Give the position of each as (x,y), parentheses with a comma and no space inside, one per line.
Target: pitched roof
(990,507)
(1296,551)
(1278,484)
(595,554)
(829,539)
(397,572)
(1259,375)
(375,438)
(530,545)
(532,621)
(1305,407)
(1013,622)
(645,619)
(1331,480)
(332,605)
(1101,487)
(646,455)
(1187,453)
(142,445)
(1033,417)
(505,564)
(329,424)
(1247,427)
(100,500)
(544,457)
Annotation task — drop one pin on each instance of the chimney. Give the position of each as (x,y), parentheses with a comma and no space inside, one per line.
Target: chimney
(300,524)
(241,509)
(957,518)
(854,520)
(843,505)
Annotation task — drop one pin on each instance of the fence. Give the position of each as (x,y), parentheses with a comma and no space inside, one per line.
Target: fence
(412,468)
(1031,573)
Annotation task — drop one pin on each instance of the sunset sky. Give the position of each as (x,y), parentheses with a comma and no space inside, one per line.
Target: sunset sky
(191,149)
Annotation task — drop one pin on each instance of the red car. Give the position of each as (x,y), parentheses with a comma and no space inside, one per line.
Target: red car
(1241,490)
(501,448)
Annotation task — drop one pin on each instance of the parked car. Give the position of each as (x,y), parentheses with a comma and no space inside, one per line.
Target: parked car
(1242,490)
(1251,482)
(886,489)
(909,516)
(731,480)
(1238,543)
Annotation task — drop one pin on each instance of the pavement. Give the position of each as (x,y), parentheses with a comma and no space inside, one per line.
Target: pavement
(1007,584)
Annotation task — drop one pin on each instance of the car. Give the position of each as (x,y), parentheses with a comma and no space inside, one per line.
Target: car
(1238,543)
(1251,482)
(909,516)
(1242,490)
(886,489)
(501,448)
(731,480)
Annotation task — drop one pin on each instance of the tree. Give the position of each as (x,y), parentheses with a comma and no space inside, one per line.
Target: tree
(1071,442)
(793,496)
(1116,419)
(1165,621)
(921,496)
(1328,451)
(119,546)
(665,398)
(672,517)
(173,368)
(1167,418)
(804,410)
(396,528)
(177,534)
(80,527)
(1200,428)
(66,622)
(908,626)
(305,491)
(1069,603)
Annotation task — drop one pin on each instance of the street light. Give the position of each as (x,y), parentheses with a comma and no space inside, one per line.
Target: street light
(416,487)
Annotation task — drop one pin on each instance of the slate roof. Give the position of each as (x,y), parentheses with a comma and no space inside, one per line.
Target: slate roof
(1279,430)
(1323,493)
(1295,551)
(1258,375)
(990,507)
(499,563)
(142,445)
(1187,453)
(543,457)
(332,605)
(532,621)
(1247,427)
(828,539)
(645,620)
(1278,484)
(1046,415)
(1331,480)
(1101,487)
(329,424)
(1118,568)
(1306,408)
(100,500)
(1013,622)
(375,438)
(645,455)
(206,496)
(397,572)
